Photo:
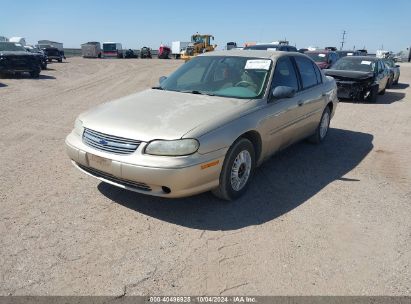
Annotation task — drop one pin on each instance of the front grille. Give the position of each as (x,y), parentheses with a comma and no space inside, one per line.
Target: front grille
(109,143)
(112,178)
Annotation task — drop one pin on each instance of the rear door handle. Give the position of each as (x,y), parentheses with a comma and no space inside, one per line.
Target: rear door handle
(324,94)
(300,103)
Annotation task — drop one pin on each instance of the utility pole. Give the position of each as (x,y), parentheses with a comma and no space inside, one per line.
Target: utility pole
(343,40)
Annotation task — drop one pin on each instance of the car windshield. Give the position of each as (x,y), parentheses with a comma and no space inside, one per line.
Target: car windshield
(390,63)
(318,57)
(354,64)
(9,46)
(237,77)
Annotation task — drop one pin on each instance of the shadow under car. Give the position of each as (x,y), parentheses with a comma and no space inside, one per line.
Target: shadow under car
(281,184)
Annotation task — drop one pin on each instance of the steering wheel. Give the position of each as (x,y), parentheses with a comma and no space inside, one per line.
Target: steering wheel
(244,83)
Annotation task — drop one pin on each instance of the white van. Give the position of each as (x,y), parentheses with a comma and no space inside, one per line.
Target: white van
(91,50)
(19,40)
(112,50)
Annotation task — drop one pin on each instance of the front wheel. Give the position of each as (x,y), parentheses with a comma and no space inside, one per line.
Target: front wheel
(372,97)
(237,171)
(322,128)
(35,74)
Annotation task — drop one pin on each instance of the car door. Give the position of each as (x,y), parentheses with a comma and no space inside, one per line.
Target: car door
(280,116)
(311,99)
(382,77)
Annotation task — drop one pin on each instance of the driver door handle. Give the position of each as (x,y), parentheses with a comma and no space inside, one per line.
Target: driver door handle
(300,103)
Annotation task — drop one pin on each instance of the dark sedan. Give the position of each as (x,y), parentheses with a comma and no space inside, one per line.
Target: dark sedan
(395,70)
(324,59)
(15,59)
(360,77)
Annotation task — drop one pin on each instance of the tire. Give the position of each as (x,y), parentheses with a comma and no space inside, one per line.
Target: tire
(322,128)
(35,74)
(373,94)
(397,80)
(390,82)
(60,60)
(240,163)
(50,60)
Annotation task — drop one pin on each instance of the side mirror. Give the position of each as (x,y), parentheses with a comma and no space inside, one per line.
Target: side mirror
(282,92)
(397,66)
(161,79)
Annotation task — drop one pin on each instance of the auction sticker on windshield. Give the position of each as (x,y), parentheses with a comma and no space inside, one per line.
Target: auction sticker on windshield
(257,64)
(321,55)
(366,62)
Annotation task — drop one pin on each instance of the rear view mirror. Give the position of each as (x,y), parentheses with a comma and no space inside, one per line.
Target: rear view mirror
(161,79)
(282,92)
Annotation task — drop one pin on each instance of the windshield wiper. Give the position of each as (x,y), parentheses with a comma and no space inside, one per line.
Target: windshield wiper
(197,92)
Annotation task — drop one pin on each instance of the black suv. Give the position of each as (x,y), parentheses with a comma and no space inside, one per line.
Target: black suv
(54,53)
(145,52)
(15,59)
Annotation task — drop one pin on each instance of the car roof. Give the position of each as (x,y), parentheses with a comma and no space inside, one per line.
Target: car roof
(252,53)
(369,58)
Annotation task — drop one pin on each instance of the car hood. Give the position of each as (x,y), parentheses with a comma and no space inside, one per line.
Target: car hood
(157,114)
(15,53)
(353,75)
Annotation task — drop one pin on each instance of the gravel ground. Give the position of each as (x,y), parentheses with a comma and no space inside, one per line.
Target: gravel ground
(332,219)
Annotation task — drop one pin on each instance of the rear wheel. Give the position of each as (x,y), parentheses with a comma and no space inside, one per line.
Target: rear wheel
(372,97)
(390,82)
(35,74)
(322,128)
(237,171)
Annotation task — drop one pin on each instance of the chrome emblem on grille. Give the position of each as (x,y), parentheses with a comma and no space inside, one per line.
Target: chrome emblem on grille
(103,142)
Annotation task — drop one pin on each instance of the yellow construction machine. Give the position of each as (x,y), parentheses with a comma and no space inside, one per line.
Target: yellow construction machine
(199,44)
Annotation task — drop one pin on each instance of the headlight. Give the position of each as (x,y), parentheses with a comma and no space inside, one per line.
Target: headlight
(179,147)
(78,127)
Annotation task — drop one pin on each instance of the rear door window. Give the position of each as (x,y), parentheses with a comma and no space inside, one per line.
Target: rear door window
(318,73)
(307,72)
(284,74)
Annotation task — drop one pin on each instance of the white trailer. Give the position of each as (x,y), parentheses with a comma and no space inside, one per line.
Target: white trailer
(91,50)
(18,40)
(177,47)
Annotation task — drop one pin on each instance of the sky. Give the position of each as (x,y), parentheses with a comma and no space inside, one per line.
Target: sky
(370,24)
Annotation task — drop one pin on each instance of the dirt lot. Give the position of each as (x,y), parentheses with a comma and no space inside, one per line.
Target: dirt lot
(332,219)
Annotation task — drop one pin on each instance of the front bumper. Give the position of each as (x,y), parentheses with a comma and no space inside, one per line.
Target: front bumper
(351,90)
(183,176)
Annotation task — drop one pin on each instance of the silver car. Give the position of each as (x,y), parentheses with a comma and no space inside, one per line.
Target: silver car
(207,126)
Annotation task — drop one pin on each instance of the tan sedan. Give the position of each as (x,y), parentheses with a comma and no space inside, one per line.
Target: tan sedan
(207,126)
